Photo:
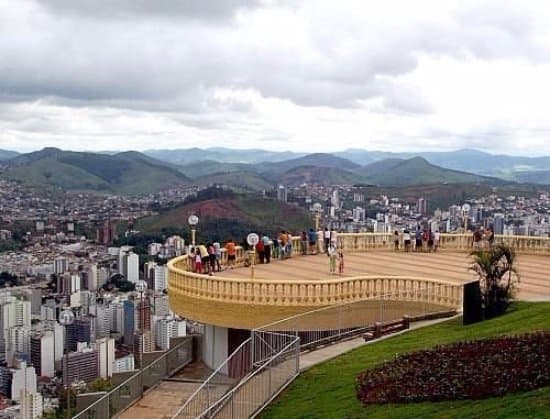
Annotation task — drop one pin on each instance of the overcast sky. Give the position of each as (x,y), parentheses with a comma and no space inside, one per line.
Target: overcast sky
(282,75)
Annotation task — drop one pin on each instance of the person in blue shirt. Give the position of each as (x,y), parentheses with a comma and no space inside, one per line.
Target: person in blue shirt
(312,237)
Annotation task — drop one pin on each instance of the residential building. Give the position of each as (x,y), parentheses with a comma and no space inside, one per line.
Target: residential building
(81,365)
(43,353)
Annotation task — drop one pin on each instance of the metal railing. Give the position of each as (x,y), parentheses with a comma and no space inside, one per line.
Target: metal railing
(328,324)
(126,393)
(248,379)
(257,390)
(227,374)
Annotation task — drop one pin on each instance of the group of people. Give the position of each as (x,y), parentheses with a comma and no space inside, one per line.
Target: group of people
(422,240)
(206,259)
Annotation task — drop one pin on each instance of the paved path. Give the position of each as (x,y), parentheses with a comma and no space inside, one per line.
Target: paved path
(310,359)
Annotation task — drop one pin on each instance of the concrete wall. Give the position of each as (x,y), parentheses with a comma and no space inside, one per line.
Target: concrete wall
(214,346)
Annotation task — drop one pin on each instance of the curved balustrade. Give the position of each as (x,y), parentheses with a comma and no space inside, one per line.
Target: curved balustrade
(448,241)
(246,303)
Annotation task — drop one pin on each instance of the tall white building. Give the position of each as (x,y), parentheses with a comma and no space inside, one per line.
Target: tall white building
(103,321)
(115,313)
(358,214)
(60,265)
(168,328)
(19,342)
(23,379)
(32,406)
(130,266)
(75,283)
(161,307)
(105,348)
(58,338)
(335,199)
(160,280)
(47,312)
(122,252)
(13,313)
(93,277)
(282,193)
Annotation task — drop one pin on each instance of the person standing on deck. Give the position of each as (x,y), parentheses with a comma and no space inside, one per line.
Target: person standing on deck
(260,250)
(218,253)
(332,256)
(326,236)
(341,261)
(231,250)
(312,237)
(267,248)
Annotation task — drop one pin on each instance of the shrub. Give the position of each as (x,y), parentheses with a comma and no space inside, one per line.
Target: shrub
(464,370)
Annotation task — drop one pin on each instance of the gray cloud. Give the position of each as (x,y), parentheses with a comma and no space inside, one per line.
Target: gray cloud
(128,9)
(122,58)
(172,58)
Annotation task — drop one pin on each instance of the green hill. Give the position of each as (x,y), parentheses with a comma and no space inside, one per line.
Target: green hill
(541,177)
(318,175)
(316,160)
(233,216)
(239,179)
(203,168)
(7,154)
(129,173)
(417,171)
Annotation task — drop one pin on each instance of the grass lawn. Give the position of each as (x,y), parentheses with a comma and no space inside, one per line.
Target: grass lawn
(328,390)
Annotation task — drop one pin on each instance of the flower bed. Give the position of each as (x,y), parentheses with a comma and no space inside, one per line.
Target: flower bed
(464,370)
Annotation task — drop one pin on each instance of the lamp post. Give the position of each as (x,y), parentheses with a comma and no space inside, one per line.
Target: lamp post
(66,318)
(141,287)
(466,210)
(317,208)
(252,239)
(193,220)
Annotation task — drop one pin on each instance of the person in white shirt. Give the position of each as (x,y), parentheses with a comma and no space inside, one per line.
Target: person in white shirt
(436,240)
(332,256)
(407,240)
(326,236)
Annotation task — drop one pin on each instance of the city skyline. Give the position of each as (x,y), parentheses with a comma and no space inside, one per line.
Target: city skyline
(275,75)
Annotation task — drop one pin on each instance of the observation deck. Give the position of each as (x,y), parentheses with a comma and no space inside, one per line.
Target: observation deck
(405,283)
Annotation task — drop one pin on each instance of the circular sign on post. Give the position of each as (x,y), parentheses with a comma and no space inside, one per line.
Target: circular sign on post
(466,207)
(66,317)
(141,286)
(193,220)
(252,239)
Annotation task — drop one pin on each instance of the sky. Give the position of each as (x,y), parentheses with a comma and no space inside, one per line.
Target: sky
(318,75)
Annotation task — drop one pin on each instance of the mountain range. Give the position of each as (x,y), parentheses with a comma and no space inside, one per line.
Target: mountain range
(129,172)
(141,173)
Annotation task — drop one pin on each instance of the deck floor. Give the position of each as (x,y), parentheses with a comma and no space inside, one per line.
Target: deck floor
(451,266)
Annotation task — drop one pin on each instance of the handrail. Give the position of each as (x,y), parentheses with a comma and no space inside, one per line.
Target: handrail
(242,383)
(211,377)
(106,397)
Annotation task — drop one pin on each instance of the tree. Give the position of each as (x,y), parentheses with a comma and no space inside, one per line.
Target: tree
(498,277)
